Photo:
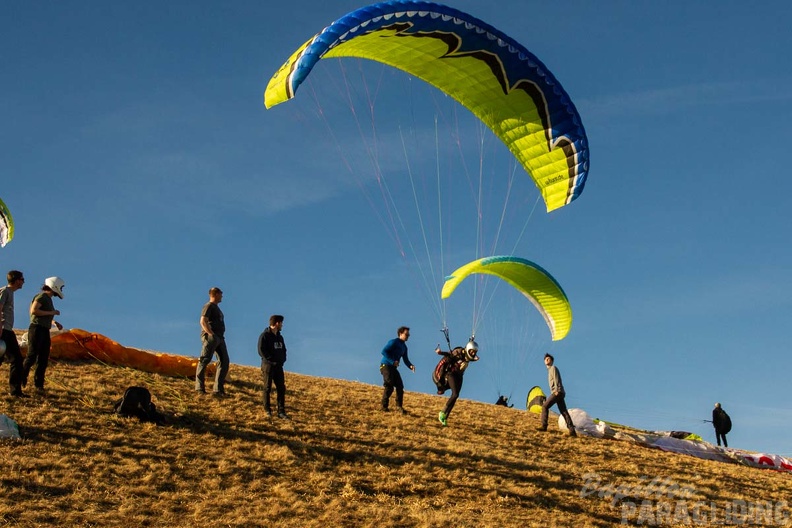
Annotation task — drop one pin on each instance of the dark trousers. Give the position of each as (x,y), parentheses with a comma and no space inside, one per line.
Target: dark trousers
(391,379)
(14,356)
(454,380)
(556,399)
(723,436)
(212,345)
(272,373)
(38,354)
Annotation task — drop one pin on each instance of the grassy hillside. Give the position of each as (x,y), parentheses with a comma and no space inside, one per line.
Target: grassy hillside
(338,462)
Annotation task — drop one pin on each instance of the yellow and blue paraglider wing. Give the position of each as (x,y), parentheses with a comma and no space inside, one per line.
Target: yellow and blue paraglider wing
(6,225)
(529,279)
(492,75)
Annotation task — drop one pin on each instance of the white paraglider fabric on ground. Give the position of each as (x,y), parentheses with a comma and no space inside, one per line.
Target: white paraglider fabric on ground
(585,425)
(8,427)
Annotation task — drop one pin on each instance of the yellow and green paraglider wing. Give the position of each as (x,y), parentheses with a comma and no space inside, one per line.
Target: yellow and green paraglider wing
(6,225)
(491,74)
(531,280)
(536,397)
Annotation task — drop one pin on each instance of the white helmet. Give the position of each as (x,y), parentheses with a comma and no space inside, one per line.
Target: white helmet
(471,350)
(55,284)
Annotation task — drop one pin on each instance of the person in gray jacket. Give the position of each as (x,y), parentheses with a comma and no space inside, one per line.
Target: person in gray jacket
(15,281)
(557,395)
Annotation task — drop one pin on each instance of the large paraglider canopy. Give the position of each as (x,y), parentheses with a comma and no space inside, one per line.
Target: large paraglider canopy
(6,225)
(531,280)
(491,74)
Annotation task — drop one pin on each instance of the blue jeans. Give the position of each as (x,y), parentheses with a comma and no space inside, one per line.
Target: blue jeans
(212,345)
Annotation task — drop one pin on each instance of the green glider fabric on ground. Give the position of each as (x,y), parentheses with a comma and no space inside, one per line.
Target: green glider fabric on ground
(489,73)
(531,280)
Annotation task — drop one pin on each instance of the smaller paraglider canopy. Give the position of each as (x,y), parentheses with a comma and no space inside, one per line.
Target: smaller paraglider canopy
(536,397)
(529,279)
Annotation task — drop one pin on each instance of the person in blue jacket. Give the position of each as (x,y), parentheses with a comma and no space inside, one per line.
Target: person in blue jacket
(393,352)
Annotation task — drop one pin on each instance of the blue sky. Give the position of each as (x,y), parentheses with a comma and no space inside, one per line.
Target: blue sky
(141,166)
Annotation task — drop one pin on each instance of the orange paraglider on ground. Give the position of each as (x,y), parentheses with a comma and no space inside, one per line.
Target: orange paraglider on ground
(81,345)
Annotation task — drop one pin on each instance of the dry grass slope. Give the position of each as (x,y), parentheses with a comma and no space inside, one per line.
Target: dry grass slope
(339,462)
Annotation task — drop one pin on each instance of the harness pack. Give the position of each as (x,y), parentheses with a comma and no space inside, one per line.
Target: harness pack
(726,424)
(439,374)
(137,402)
(448,363)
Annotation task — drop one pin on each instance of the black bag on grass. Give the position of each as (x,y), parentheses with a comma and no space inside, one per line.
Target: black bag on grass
(137,402)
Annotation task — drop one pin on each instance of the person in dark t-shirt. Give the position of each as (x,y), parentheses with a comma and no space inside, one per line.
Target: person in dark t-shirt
(213,341)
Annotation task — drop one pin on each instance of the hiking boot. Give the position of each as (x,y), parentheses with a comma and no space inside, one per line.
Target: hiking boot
(385,409)
(542,429)
(283,415)
(218,394)
(572,432)
(442,418)
(401,410)
(200,390)
(20,394)
(268,413)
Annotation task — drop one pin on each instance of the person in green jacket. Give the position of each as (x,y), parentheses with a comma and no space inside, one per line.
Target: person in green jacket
(42,313)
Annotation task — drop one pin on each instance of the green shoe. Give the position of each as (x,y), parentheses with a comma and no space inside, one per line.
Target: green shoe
(442,418)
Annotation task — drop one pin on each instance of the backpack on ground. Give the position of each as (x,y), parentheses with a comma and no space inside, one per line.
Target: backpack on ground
(137,402)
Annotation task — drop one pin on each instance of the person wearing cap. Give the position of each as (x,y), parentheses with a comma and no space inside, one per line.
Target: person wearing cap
(213,342)
(557,396)
(15,281)
(450,373)
(272,350)
(42,314)
(392,353)
(722,423)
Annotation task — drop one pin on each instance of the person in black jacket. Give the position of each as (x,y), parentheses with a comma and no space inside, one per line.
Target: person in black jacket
(722,424)
(272,350)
